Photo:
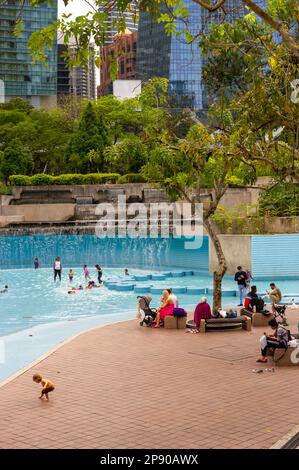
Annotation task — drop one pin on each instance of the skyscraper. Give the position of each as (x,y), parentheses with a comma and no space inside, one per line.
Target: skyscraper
(131,19)
(123,49)
(75,81)
(172,57)
(33,82)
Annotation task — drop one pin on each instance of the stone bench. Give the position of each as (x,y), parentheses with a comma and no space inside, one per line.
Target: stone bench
(172,322)
(257,319)
(289,357)
(243,322)
(282,357)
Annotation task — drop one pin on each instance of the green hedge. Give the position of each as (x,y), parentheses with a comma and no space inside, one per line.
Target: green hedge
(47,180)
(131,178)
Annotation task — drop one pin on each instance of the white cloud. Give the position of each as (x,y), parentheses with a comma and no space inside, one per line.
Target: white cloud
(75,7)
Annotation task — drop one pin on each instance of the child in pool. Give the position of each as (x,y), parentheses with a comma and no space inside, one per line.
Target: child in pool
(47,385)
(71,275)
(86,272)
(74,289)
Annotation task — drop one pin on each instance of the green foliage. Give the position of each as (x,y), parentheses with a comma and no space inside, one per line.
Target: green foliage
(280,200)
(19,180)
(88,141)
(15,159)
(68,179)
(241,219)
(127,156)
(42,180)
(131,178)
(5,190)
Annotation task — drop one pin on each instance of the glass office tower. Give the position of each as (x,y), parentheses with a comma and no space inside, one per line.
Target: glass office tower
(34,82)
(159,55)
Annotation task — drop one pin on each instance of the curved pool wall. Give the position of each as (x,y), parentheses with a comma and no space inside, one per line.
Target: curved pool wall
(74,250)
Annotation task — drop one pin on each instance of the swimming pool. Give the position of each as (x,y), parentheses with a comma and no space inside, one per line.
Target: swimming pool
(33,298)
(36,314)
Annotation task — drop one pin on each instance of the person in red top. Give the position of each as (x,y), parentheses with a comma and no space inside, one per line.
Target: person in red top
(202,311)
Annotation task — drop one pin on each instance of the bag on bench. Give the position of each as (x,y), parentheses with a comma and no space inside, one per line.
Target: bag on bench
(179,312)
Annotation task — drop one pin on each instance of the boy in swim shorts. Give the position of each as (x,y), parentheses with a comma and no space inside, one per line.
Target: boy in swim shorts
(47,385)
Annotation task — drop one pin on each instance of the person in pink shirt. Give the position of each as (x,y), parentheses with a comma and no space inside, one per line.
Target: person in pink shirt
(86,272)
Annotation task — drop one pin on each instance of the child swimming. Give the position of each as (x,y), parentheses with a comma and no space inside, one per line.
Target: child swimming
(75,289)
(47,385)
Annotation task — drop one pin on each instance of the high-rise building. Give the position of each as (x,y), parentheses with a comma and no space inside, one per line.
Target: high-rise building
(170,56)
(22,78)
(130,17)
(123,50)
(75,81)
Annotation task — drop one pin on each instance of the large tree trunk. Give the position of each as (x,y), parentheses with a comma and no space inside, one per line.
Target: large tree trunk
(222,264)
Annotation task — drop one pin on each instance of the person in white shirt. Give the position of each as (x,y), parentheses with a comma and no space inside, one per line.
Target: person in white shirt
(173,298)
(57,268)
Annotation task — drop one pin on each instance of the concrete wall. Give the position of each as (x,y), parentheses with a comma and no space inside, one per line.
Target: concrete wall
(237,250)
(41,212)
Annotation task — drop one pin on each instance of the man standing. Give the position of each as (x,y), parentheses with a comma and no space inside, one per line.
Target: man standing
(240,278)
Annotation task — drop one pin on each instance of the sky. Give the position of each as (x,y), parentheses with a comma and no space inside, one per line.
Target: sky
(76,7)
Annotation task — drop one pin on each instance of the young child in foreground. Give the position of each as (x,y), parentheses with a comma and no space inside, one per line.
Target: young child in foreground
(47,385)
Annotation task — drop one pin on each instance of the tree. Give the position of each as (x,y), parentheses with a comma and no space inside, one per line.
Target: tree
(127,156)
(274,15)
(16,159)
(90,135)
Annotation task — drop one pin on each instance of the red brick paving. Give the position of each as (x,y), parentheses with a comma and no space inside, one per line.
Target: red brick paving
(123,386)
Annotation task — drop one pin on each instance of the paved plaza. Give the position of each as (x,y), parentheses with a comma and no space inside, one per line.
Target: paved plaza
(123,386)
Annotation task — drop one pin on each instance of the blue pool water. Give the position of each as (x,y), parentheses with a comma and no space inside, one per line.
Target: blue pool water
(34,299)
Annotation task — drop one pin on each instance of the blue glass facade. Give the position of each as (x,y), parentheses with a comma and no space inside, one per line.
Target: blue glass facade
(34,82)
(171,57)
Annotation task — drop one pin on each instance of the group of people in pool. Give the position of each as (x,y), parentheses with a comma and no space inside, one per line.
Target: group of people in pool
(57,269)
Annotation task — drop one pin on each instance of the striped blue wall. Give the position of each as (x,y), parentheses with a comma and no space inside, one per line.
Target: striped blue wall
(19,251)
(275,255)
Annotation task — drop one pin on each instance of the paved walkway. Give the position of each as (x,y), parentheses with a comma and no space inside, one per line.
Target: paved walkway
(122,386)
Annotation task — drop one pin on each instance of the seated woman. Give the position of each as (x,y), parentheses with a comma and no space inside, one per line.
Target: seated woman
(279,339)
(202,312)
(165,309)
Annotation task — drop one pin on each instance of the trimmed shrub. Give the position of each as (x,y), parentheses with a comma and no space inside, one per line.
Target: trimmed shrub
(20,180)
(131,178)
(42,179)
(5,190)
(101,178)
(69,179)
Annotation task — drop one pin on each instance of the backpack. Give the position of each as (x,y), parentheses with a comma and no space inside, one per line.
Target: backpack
(180,312)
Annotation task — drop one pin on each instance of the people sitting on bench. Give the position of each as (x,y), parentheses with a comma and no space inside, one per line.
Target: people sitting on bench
(279,339)
(202,312)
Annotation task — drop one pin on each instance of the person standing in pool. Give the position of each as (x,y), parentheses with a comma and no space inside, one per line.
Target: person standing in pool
(86,271)
(57,268)
(36,262)
(100,273)
(71,275)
